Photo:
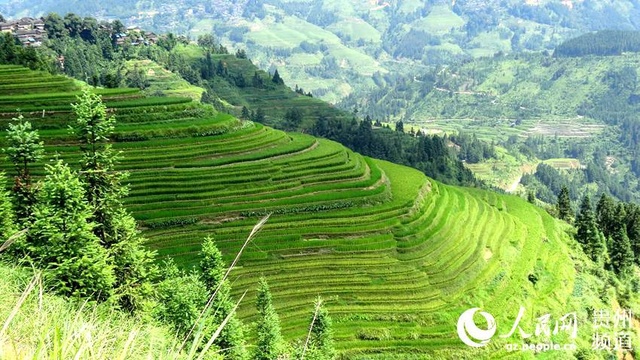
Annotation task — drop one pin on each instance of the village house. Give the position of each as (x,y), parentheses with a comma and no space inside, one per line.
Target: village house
(136,36)
(152,38)
(8,26)
(29,31)
(32,32)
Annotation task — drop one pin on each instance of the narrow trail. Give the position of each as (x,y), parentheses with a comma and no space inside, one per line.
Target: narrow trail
(524,169)
(514,186)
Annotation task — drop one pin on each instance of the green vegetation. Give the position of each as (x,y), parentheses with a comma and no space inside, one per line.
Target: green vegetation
(564,205)
(87,248)
(588,233)
(153,79)
(269,337)
(600,43)
(43,326)
(395,256)
(231,83)
(535,109)
(61,236)
(333,49)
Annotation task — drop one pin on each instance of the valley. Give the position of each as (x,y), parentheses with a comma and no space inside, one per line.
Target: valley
(468,157)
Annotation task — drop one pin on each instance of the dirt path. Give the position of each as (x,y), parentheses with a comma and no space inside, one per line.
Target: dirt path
(514,186)
(524,169)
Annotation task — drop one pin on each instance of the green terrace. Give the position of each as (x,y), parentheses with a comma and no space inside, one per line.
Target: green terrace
(396,255)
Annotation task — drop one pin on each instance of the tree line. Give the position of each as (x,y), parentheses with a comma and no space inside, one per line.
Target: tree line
(430,154)
(609,234)
(601,43)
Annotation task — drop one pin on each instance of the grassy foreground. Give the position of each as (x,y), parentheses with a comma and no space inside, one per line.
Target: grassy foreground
(396,256)
(36,325)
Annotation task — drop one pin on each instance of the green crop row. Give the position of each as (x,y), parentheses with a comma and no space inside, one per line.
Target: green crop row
(140,102)
(296,210)
(370,197)
(167,131)
(162,145)
(170,223)
(297,143)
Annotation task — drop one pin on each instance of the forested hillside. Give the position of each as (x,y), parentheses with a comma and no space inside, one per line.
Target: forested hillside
(230,82)
(577,114)
(333,49)
(607,42)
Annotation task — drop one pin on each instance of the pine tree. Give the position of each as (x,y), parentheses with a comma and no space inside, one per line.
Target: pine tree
(241,54)
(588,233)
(134,265)
(321,341)
(531,196)
(231,339)
(620,252)
(115,227)
(633,231)
(181,298)
(269,342)
(564,205)
(7,217)
(61,238)
(245,113)
(259,116)
(321,126)
(605,215)
(257,81)
(400,126)
(103,185)
(24,148)
(293,119)
(277,79)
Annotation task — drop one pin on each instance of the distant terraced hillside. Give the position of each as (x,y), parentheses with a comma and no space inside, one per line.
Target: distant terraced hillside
(397,256)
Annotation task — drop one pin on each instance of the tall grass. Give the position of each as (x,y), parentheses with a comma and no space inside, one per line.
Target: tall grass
(40,326)
(37,325)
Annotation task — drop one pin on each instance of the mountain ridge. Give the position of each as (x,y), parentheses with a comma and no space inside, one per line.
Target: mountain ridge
(333,52)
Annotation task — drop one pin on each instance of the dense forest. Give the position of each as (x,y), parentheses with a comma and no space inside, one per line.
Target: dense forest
(603,43)
(609,232)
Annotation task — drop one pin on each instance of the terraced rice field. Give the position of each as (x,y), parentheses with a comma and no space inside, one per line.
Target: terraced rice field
(396,255)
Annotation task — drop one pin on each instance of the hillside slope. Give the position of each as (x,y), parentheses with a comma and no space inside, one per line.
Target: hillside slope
(397,256)
(537,106)
(333,49)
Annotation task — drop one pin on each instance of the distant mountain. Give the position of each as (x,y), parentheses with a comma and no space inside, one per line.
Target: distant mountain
(540,107)
(337,48)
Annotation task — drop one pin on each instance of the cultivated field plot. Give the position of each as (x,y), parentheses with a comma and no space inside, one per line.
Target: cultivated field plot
(564,163)
(164,81)
(397,256)
(567,128)
(501,129)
